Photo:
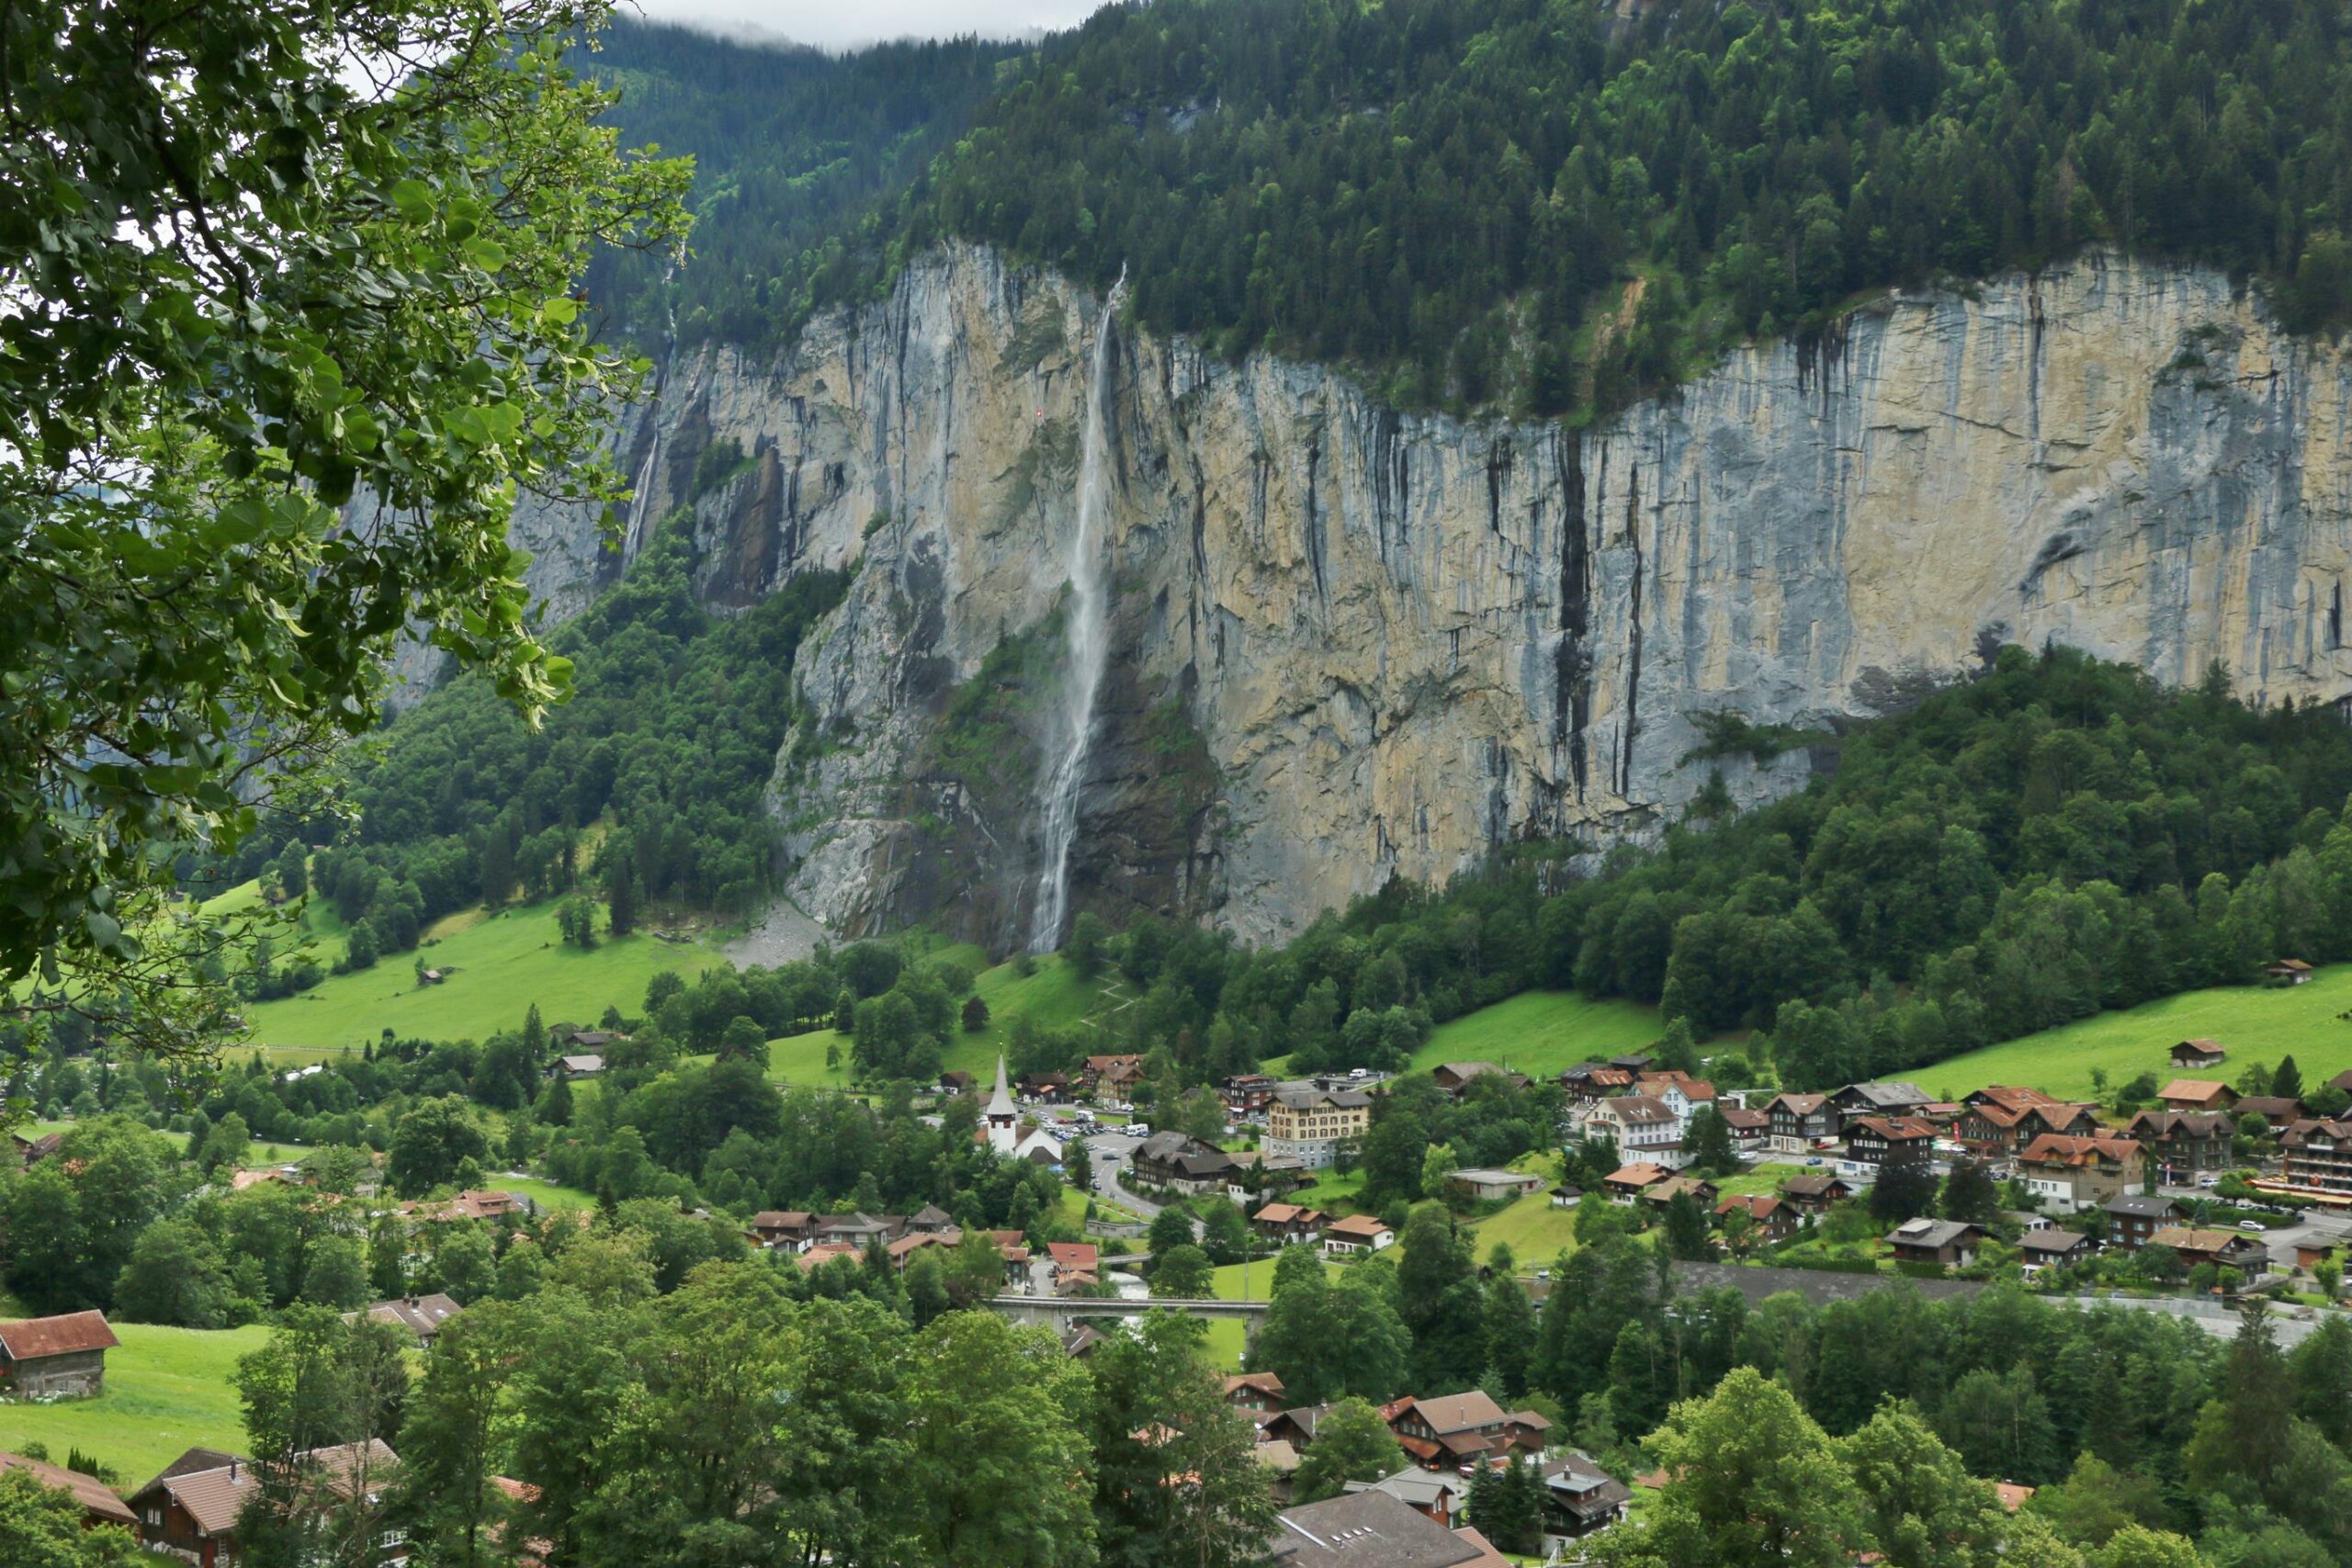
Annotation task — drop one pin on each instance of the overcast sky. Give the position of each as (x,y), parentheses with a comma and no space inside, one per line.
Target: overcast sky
(843,23)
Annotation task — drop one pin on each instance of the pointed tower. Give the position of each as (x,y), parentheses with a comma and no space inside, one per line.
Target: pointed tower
(1003,1117)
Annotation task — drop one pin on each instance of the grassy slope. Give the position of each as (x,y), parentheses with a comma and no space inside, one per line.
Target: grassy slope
(503,963)
(1052,998)
(1537,1232)
(168,1390)
(1541,1032)
(2255,1025)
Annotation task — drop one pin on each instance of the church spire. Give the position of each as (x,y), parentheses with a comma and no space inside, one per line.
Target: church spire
(1000,1106)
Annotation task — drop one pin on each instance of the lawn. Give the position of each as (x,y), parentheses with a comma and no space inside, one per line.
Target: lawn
(168,1390)
(1259,1274)
(547,1194)
(1053,996)
(2255,1024)
(1228,1337)
(1537,1231)
(1758,1180)
(800,1059)
(501,965)
(1331,1191)
(1542,1032)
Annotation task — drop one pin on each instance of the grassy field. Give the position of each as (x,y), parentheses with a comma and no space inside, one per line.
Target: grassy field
(1053,996)
(2256,1025)
(547,1194)
(1331,1191)
(1542,1032)
(168,1390)
(501,965)
(1259,1273)
(1758,1180)
(1537,1232)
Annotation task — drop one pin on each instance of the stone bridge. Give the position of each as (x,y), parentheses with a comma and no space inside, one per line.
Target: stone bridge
(1058,1313)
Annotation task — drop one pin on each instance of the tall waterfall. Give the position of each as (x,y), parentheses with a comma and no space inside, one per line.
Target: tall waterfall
(1087,647)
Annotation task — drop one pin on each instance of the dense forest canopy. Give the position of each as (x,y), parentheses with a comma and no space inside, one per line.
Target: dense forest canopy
(669,739)
(794,150)
(1550,205)
(2060,836)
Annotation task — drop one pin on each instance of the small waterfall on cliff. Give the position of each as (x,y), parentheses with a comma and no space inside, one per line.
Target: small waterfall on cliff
(1086,646)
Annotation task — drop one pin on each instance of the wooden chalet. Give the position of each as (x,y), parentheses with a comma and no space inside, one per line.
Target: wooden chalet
(2197,1053)
(55,1357)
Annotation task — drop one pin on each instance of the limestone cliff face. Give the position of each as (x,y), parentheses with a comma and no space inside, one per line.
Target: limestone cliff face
(1398,640)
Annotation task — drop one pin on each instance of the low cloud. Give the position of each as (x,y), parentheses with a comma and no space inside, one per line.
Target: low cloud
(839,27)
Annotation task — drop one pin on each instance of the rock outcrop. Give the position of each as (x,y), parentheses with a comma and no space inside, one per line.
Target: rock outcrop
(1365,643)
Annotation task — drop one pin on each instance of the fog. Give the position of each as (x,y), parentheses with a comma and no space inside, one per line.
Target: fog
(839,27)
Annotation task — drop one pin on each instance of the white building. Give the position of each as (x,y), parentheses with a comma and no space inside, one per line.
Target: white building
(1638,1126)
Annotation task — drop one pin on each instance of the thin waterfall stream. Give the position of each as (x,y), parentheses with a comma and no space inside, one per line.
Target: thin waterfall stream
(1086,647)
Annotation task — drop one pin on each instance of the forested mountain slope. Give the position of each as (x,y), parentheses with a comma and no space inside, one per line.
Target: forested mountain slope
(1454,195)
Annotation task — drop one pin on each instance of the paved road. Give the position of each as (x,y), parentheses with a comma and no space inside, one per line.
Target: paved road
(1111,1153)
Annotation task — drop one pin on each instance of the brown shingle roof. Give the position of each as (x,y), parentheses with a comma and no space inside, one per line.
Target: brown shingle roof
(66,1334)
(93,1494)
(1365,1225)
(1458,1412)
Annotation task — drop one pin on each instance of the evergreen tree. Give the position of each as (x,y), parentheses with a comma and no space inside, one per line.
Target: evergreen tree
(1686,1229)
(620,899)
(2287,1079)
(1439,1299)
(1971,1193)
(1904,1190)
(1709,1136)
(1509,1324)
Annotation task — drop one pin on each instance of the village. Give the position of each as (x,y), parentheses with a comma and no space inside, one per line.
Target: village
(2198,1202)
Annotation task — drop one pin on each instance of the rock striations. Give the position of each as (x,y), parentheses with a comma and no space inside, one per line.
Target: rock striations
(1395,640)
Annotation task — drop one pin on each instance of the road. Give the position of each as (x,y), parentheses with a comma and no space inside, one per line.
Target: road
(1111,1152)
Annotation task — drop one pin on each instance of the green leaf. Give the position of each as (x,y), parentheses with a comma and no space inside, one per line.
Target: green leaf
(414,200)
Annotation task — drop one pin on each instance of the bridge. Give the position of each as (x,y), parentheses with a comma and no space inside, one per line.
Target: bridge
(1058,1313)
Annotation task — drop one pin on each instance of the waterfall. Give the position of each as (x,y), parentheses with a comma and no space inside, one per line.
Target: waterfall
(1086,650)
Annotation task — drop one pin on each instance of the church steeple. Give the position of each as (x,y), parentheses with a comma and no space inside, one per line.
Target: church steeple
(1002,1114)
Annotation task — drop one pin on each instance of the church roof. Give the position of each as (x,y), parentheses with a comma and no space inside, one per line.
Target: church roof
(1000,1102)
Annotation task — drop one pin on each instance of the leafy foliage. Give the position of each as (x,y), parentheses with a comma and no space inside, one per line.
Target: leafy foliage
(266,259)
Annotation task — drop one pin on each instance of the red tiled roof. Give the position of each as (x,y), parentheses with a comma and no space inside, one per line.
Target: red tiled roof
(68,1334)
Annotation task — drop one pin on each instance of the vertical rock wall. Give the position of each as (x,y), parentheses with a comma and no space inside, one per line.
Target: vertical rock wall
(1400,639)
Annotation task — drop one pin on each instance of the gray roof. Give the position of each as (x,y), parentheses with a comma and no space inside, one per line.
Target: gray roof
(2051,1241)
(1580,1486)
(1421,1488)
(1303,1096)
(1372,1530)
(1892,1093)
(421,1315)
(1937,1233)
(2144,1207)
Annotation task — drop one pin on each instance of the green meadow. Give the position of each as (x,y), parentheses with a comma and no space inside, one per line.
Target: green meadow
(498,966)
(1542,1032)
(2254,1023)
(168,1390)
(1053,996)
